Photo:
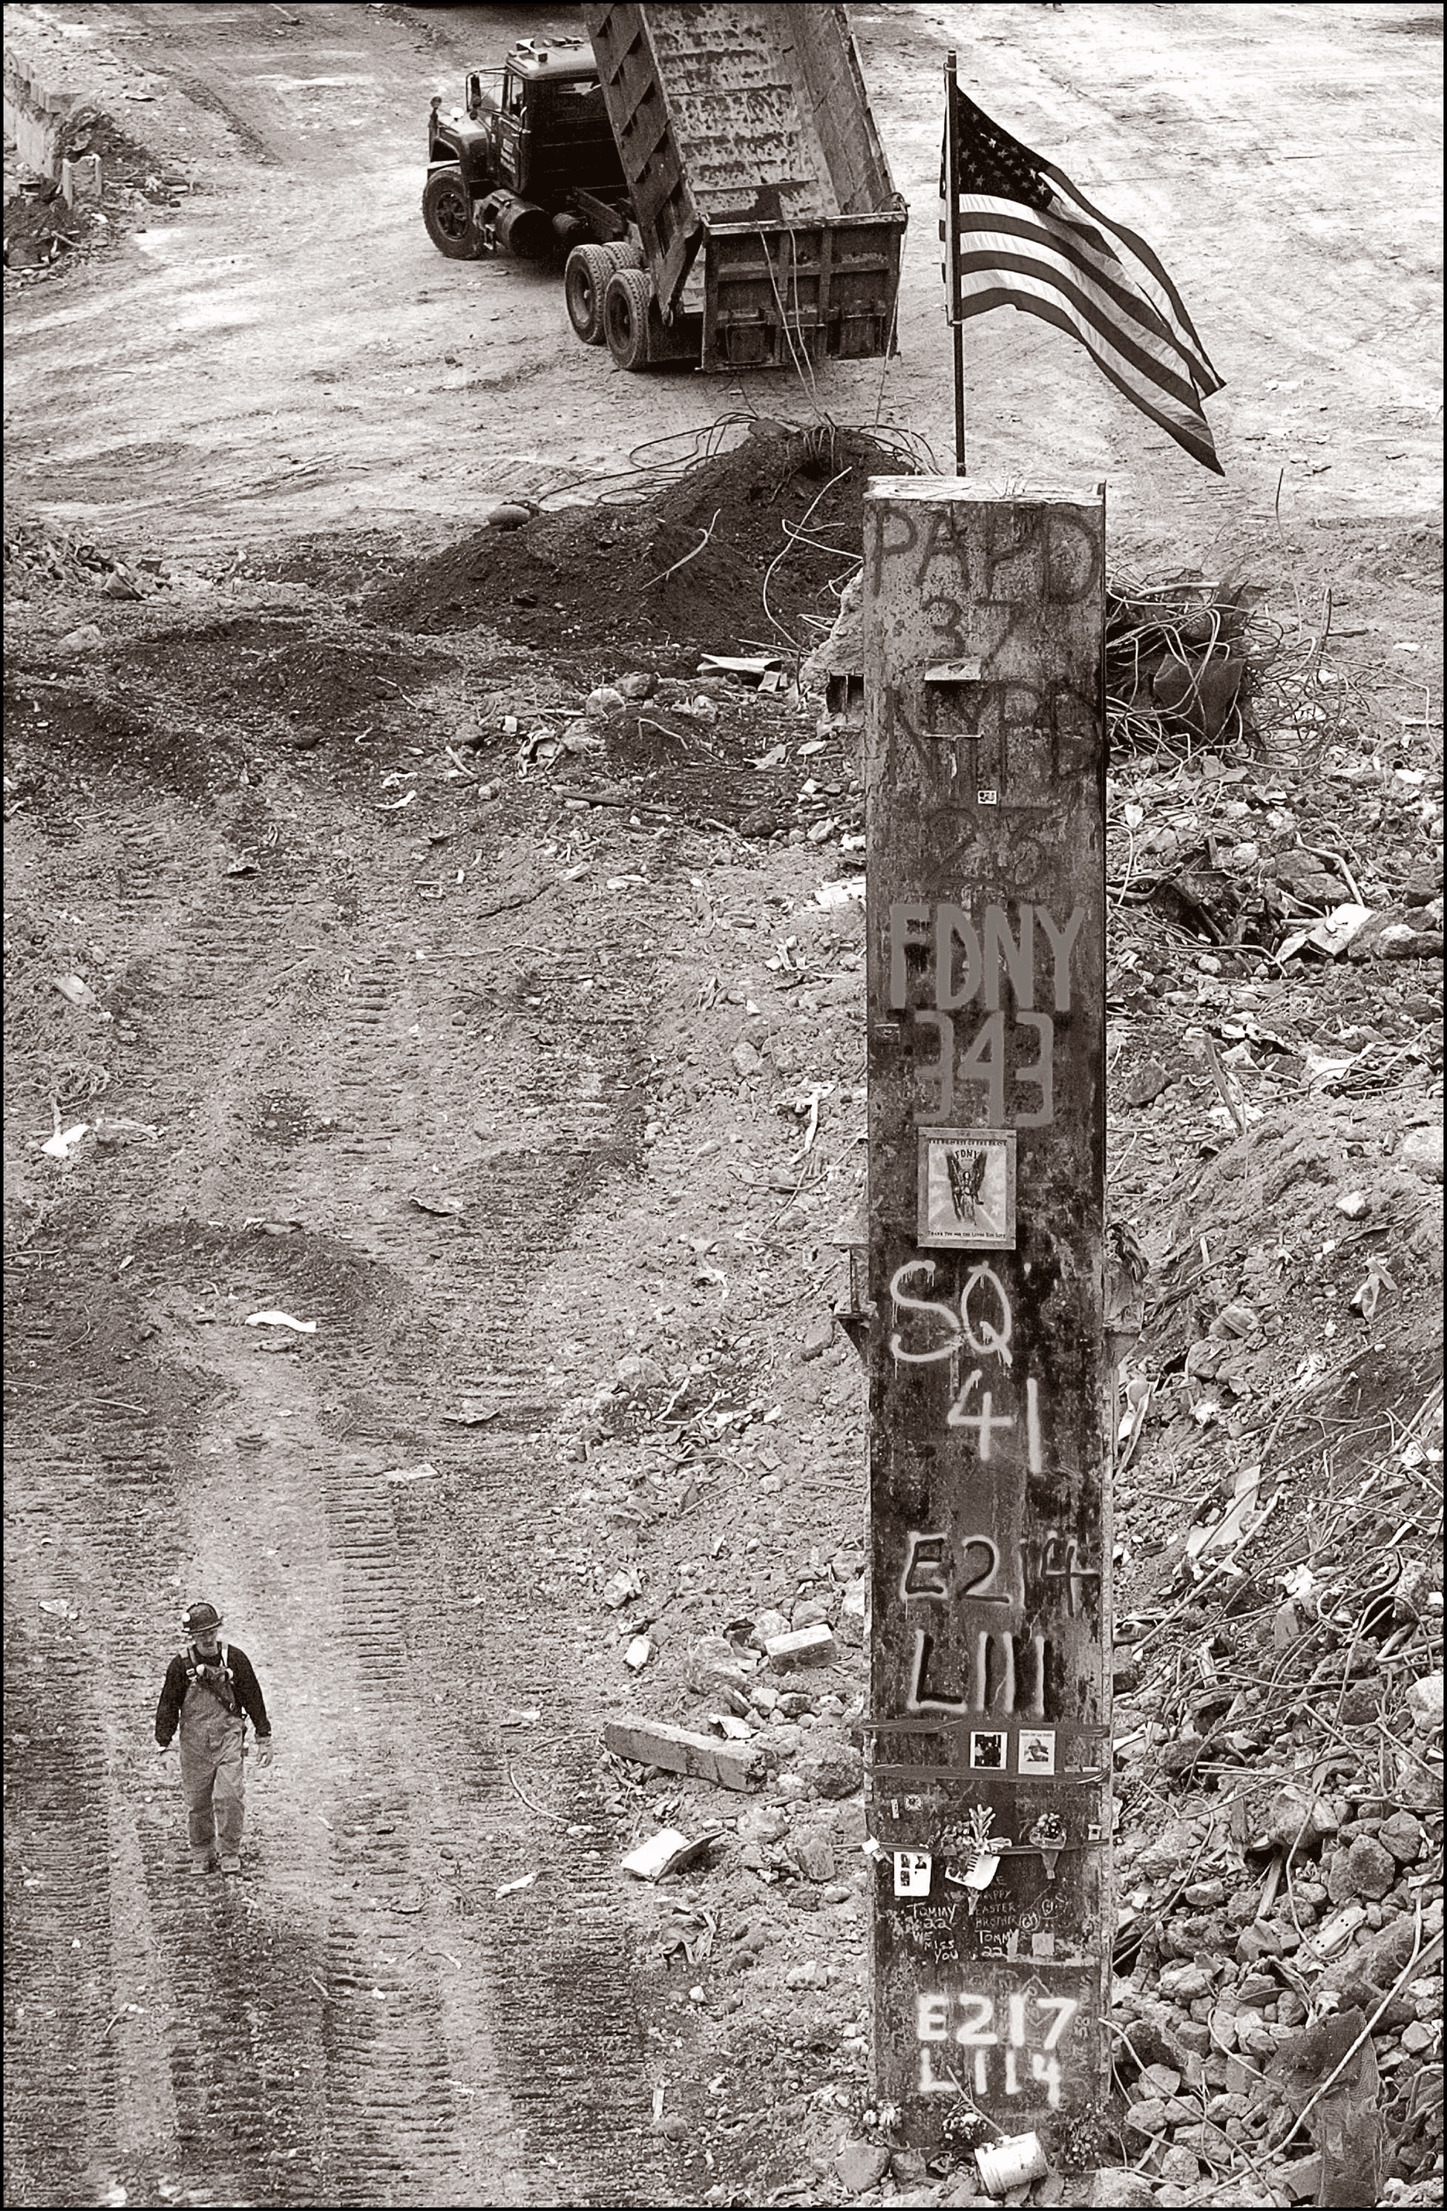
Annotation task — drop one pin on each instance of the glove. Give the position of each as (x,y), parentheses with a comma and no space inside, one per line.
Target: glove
(263,1751)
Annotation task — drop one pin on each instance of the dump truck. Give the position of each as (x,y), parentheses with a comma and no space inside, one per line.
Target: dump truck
(709,176)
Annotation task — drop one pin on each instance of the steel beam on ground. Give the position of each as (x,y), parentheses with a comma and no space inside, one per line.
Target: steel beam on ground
(989,1767)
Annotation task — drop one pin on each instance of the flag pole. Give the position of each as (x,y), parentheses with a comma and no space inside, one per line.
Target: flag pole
(952,280)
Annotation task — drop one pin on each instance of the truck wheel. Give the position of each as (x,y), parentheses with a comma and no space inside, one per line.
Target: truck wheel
(447,212)
(585,279)
(626,306)
(624,255)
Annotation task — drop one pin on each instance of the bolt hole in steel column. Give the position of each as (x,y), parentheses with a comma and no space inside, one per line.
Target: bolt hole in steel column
(988,1791)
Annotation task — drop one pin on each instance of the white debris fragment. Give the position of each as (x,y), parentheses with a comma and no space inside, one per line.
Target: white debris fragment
(652,1859)
(847,891)
(64,1141)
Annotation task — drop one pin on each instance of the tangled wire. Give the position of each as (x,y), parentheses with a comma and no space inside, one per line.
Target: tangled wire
(1194,663)
(656,463)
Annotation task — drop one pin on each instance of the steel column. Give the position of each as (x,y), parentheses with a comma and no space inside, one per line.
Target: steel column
(989,1775)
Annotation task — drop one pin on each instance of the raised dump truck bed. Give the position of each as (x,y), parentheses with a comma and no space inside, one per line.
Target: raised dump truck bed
(758,184)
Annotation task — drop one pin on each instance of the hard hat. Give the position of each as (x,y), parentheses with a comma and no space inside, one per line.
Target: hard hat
(201,1616)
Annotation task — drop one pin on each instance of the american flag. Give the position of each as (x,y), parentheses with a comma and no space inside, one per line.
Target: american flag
(1026,237)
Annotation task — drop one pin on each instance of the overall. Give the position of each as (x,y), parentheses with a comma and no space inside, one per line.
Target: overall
(211,1771)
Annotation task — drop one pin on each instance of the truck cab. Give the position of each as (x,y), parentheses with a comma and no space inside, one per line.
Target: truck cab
(506,170)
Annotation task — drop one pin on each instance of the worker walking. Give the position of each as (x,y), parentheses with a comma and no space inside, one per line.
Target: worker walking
(210,1692)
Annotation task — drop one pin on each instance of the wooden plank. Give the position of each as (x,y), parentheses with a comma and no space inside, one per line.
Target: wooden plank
(989,1790)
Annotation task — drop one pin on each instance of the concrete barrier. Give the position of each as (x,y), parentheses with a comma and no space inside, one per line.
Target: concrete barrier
(43,112)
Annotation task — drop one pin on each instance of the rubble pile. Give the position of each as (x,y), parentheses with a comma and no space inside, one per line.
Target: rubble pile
(42,557)
(1177,658)
(49,231)
(742,553)
(1276,1103)
(1283,1694)
(40,227)
(1274,1065)
(1282,1698)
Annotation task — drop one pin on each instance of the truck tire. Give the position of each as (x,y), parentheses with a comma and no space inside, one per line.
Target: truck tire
(447,212)
(627,306)
(585,279)
(622,254)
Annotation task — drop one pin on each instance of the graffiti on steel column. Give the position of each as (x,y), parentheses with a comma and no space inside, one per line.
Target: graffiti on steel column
(994,1664)
(997,556)
(981,1319)
(1052,1569)
(1004,1674)
(977,1327)
(990,1757)
(982,972)
(972,2045)
(992,747)
(987,743)
(1058,1564)
(997,1671)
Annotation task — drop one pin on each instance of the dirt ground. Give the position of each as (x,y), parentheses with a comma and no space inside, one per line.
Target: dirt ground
(519,1047)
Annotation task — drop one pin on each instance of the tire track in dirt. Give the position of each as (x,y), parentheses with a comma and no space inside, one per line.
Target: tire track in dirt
(224,1984)
(559,1963)
(57,1911)
(311,2051)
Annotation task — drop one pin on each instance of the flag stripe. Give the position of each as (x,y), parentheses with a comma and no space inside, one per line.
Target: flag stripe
(1021,234)
(1157,365)
(1192,432)
(1174,309)
(1028,290)
(1057,249)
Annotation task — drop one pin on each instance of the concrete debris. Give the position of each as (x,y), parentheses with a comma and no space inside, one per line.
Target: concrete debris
(1118,2188)
(847,890)
(801,1646)
(64,1141)
(818,1336)
(1421,1148)
(620,1589)
(669,1851)
(677,1750)
(861,2165)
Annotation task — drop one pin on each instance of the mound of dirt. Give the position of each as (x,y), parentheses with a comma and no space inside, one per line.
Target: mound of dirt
(739,552)
(253,670)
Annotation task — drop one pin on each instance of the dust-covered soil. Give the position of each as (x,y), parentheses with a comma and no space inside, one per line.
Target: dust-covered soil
(746,551)
(404,937)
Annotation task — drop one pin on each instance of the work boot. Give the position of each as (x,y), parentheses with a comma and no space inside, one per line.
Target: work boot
(231,1865)
(203,1862)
